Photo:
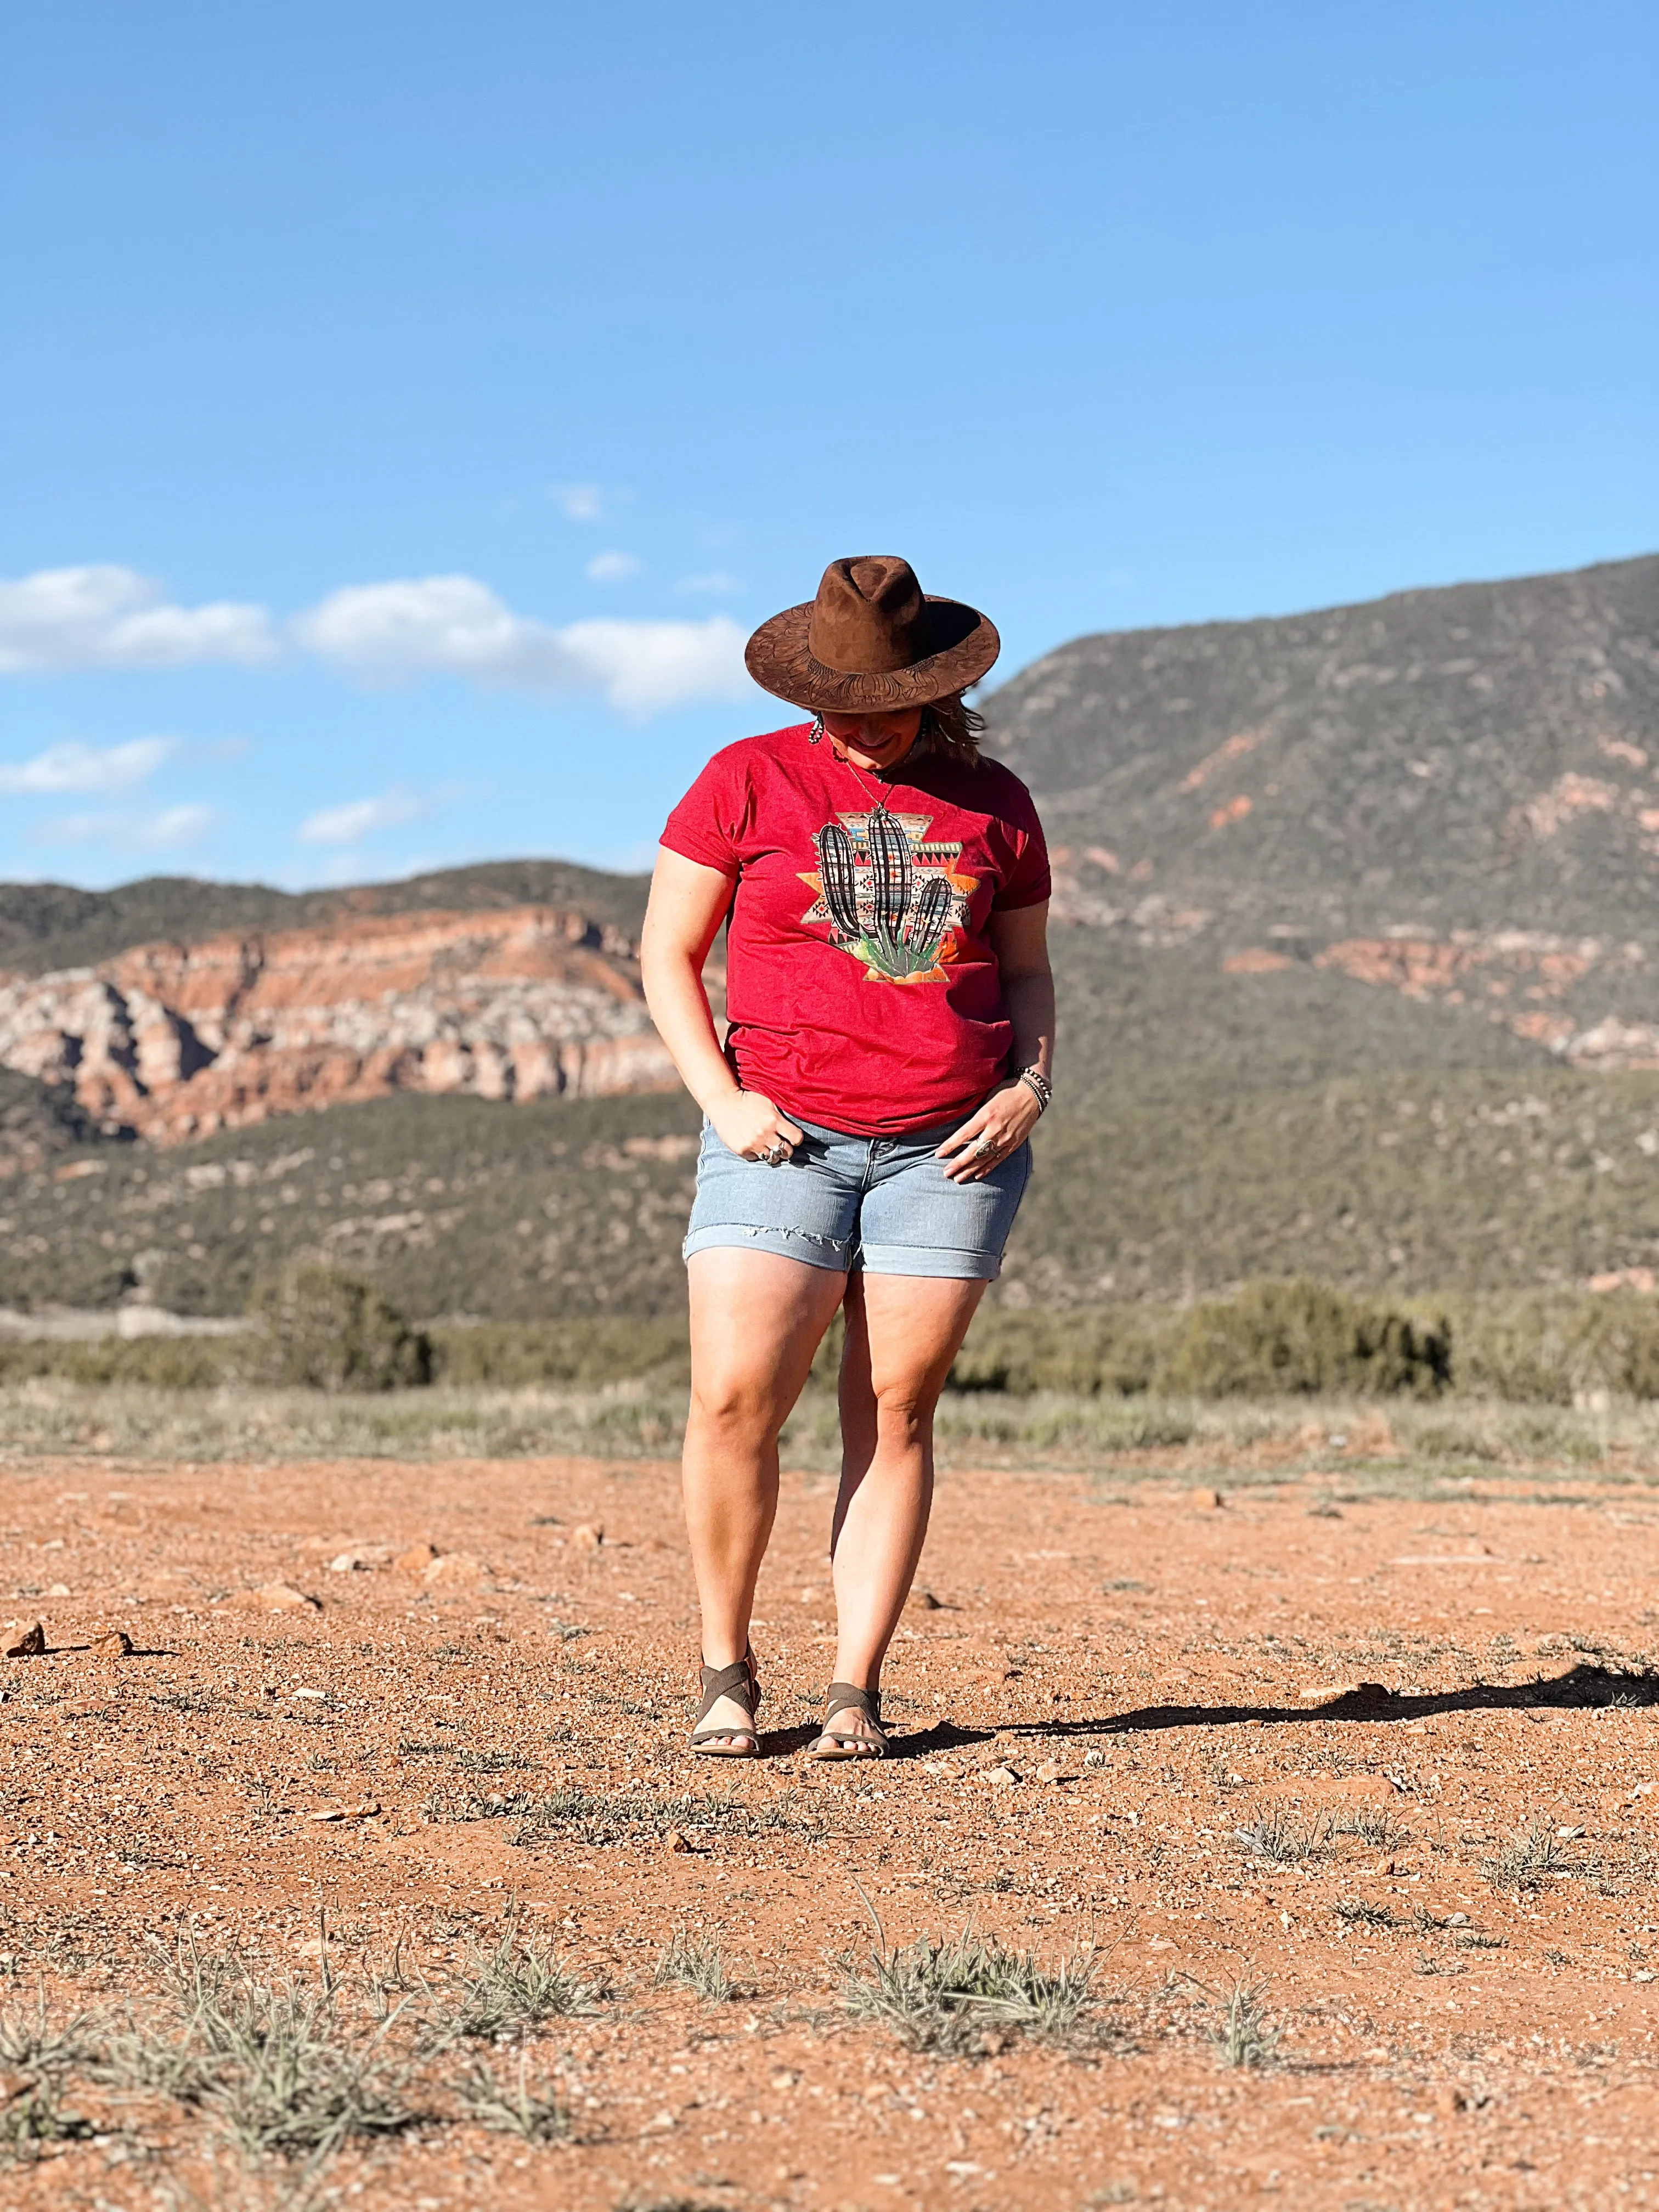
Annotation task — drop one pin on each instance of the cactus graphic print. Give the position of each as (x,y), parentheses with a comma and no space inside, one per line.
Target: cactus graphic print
(862,988)
(891,896)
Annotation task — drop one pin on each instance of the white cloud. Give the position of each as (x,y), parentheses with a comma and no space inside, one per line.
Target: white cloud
(454,625)
(109,617)
(173,826)
(718,583)
(581,502)
(614,567)
(75,767)
(644,666)
(359,818)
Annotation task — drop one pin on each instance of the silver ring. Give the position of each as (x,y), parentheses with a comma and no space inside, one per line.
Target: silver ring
(772,1155)
(986,1145)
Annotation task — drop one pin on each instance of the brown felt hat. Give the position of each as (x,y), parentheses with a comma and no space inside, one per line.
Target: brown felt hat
(871,641)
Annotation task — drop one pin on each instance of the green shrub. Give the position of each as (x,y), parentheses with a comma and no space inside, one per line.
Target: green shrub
(580,1352)
(1557,1347)
(1281,1338)
(1097,1350)
(165,1362)
(328,1331)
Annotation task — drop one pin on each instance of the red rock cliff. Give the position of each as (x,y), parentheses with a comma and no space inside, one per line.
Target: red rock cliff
(177,1041)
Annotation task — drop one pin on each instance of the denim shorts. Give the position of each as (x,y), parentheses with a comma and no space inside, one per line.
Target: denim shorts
(884,1204)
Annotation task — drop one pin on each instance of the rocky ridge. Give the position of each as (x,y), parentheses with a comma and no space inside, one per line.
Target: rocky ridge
(1452,794)
(177,1040)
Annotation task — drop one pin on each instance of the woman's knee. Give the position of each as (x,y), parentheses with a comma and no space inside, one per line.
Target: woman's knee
(734,1401)
(905,1404)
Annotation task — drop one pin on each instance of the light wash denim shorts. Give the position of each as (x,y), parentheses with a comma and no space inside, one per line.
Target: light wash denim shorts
(884,1204)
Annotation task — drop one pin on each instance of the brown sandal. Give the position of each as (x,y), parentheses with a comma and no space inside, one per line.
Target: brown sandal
(837,1743)
(741,1683)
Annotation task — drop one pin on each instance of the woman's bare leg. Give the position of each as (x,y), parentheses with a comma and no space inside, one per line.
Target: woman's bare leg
(756,1320)
(902,1333)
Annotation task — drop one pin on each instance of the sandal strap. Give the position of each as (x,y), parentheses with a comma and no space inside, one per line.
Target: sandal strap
(841,1697)
(739,1682)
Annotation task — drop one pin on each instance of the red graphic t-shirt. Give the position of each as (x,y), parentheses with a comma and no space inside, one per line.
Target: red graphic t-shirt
(861,989)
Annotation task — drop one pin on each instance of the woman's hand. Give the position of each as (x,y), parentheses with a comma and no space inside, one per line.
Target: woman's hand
(747,1123)
(985,1138)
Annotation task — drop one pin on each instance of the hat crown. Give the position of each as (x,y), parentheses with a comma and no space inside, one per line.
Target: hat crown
(871,642)
(867,619)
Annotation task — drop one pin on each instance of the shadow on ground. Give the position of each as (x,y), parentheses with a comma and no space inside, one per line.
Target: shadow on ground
(1581,1689)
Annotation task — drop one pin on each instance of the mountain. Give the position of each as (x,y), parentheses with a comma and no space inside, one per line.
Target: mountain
(177,1040)
(1452,794)
(51,926)
(1355,952)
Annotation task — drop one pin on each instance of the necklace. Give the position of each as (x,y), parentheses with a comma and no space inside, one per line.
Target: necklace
(848,762)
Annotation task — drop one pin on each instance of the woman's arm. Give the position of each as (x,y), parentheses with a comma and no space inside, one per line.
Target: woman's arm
(1020,942)
(687,905)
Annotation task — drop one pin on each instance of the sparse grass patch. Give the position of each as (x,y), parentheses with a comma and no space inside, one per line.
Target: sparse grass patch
(631,2203)
(33,2116)
(34,2040)
(1455,1441)
(696,1963)
(1372,1825)
(276,2067)
(1360,1912)
(1244,2035)
(624,1815)
(497,1805)
(528,2109)
(470,1762)
(968,1993)
(1529,1858)
(512,1990)
(1280,1837)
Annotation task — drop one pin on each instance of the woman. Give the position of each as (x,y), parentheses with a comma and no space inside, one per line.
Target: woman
(890,1048)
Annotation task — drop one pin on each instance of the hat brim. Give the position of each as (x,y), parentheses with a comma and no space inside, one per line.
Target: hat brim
(965,643)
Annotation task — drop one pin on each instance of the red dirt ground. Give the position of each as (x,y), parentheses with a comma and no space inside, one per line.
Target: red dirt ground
(1120,1674)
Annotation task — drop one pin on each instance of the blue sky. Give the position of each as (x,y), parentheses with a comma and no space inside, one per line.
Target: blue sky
(406,411)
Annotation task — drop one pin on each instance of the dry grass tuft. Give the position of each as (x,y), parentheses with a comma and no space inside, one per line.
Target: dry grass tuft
(511,1991)
(1280,1838)
(529,2110)
(968,1993)
(696,1963)
(1244,2035)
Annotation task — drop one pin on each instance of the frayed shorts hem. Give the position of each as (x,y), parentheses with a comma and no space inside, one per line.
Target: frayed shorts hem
(787,1244)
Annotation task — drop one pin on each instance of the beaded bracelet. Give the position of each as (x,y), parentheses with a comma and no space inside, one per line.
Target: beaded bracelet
(1040,1087)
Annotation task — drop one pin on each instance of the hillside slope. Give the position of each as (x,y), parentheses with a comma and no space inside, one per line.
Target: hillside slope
(55,926)
(1357,969)
(1450,794)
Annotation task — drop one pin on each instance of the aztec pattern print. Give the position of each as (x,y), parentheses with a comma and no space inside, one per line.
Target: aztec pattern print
(892,899)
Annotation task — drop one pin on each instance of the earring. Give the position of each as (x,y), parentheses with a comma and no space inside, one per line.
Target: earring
(816,735)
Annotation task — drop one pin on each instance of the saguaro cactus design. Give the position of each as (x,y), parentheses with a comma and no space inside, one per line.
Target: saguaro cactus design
(839,877)
(890,902)
(930,911)
(889,871)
